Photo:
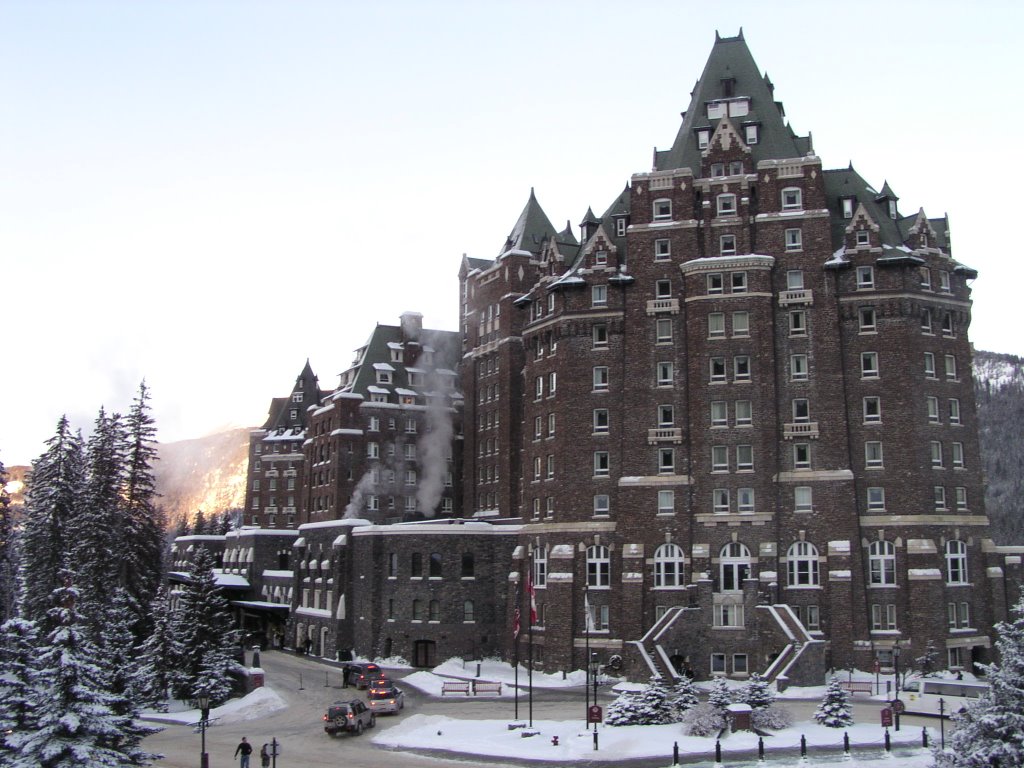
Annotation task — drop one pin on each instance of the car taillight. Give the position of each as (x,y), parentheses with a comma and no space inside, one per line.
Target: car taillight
(350,715)
(392,701)
(326,718)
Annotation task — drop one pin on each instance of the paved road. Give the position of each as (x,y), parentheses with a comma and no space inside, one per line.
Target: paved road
(299,728)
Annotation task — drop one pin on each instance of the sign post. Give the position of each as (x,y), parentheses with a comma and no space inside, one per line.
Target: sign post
(886,718)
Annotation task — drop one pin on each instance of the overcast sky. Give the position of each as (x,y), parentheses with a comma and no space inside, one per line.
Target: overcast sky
(204,194)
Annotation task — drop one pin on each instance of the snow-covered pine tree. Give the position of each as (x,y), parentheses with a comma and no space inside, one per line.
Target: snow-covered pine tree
(18,639)
(8,552)
(142,561)
(625,710)
(991,731)
(835,710)
(929,663)
(75,721)
(156,655)
(117,646)
(719,696)
(757,693)
(682,698)
(656,703)
(203,626)
(55,486)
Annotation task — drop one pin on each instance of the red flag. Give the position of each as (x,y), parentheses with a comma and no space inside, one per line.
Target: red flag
(533,598)
(515,624)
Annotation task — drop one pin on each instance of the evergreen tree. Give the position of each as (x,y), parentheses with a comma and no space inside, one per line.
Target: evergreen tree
(757,693)
(156,657)
(18,639)
(835,710)
(625,710)
(682,698)
(719,696)
(991,730)
(120,662)
(75,720)
(8,552)
(203,626)
(55,486)
(929,663)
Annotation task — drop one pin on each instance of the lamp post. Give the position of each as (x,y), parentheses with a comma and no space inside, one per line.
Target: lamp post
(203,699)
(896,669)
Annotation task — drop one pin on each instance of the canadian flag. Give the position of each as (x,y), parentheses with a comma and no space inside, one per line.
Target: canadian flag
(533,598)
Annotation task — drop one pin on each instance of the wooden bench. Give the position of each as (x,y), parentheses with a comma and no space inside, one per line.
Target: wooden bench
(858,686)
(455,686)
(484,686)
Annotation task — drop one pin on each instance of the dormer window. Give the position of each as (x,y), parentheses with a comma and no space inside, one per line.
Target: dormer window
(620,226)
(662,210)
(736,168)
(847,207)
(729,87)
(396,355)
(717,170)
(716,109)
(862,237)
(703,138)
(751,134)
(726,205)
(600,259)
(792,199)
(892,209)
(296,397)
(383,377)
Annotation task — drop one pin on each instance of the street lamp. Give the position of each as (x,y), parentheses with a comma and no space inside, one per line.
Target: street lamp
(896,668)
(203,699)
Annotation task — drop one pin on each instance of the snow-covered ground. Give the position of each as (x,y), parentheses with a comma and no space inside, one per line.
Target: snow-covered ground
(258,704)
(491,670)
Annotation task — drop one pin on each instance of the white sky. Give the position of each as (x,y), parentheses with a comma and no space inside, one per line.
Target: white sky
(206,193)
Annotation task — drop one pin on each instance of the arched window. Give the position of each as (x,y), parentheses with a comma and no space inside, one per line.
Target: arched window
(416,565)
(956,562)
(468,565)
(468,613)
(435,565)
(540,567)
(882,563)
(599,566)
(668,566)
(734,566)
(435,610)
(802,565)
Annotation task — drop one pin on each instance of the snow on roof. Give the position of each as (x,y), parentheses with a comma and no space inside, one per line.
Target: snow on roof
(345,522)
(269,573)
(406,392)
(378,390)
(340,541)
(346,432)
(383,367)
(300,542)
(252,531)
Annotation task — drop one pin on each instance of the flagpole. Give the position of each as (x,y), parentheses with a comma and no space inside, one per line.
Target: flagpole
(529,671)
(586,661)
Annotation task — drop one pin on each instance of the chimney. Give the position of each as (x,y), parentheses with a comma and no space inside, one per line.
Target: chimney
(412,324)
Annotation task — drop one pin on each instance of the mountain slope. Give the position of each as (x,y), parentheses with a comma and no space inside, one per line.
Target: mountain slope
(207,473)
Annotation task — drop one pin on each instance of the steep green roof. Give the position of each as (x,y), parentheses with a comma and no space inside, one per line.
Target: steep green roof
(731,66)
(531,229)
(847,182)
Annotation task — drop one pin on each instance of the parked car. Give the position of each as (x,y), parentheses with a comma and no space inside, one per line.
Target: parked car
(348,717)
(385,699)
(362,675)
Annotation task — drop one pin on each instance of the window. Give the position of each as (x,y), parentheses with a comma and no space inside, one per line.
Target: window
(865,278)
(947,325)
(958,455)
(668,566)
(663,289)
(797,323)
(739,282)
(717,170)
(803,498)
(866,317)
(719,415)
(550,466)
(620,227)
(794,280)
(798,367)
(540,567)
(935,450)
(926,278)
(801,455)
(847,207)
(468,613)
(954,411)
(718,663)
(872,410)
(602,504)
(961,498)
(802,565)
(727,245)
(372,450)
(717,369)
(744,457)
(956,562)
(666,415)
(662,249)
(536,468)
(940,498)
(801,410)
(728,615)
(929,365)
(416,565)
(719,458)
(538,428)
(932,404)
(601,468)
(662,210)
(869,365)
(750,134)
(600,378)
(959,615)
(599,566)
(745,501)
(551,426)
(665,371)
(734,566)
(538,387)
(876,499)
(716,325)
(666,502)
(599,334)
(926,321)
(703,138)
(744,413)
(435,565)
(552,383)
(599,295)
(417,610)
(873,454)
(791,199)
(794,239)
(666,461)
(741,368)
(663,330)
(951,367)
(883,617)
(740,323)
(715,283)
(600,421)
(434,610)
(881,563)
(863,237)
(720,501)
(726,204)
(944,284)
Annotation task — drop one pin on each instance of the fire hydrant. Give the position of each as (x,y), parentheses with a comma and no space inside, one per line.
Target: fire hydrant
(554,741)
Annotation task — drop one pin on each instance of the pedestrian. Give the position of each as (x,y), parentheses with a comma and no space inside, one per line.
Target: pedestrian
(265,756)
(309,646)
(345,673)
(244,749)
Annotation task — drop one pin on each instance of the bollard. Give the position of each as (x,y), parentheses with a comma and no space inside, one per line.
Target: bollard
(675,753)
(760,748)
(924,738)
(846,743)
(478,669)
(300,682)
(803,745)
(888,744)
(554,741)
(595,739)
(718,751)
(326,684)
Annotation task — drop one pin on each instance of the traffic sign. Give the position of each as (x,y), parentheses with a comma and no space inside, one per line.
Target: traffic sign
(886,718)
(594,714)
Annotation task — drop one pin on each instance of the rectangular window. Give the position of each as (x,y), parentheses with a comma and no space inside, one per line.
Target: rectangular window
(600,378)
(602,504)
(552,383)
(869,365)
(797,323)
(929,365)
(538,387)
(739,282)
(944,284)
(951,368)
(599,295)
(717,365)
(873,453)
(935,451)
(863,237)
(803,498)
(662,210)
(728,615)
(926,278)
(932,404)
(715,283)
(665,374)
(716,325)
(727,245)
(599,334)
(550,467)
(538,428)
(872,410)
(865,278)
(719,416)
(744,413)
(601,467)
(741,368)
(794,239)
(750,134)
(726,204)
(954,411)
(600,421)
(866,318)
(876,499)
(744,457)
(718,663)
(795,280)
(663,330)
(961,498)
(719,458)
(847,207)
(801,455)
(662,249)
(801,410)
(536,468)
(745,500)
(791,199)
(662,289)
(740,324)
(666,415)
(940,497)
(798,367)
(666,502)
(720,501)
(666,461)
(958,455)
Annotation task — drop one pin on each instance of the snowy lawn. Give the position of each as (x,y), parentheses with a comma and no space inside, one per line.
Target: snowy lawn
(492,738)
(491,670)
(260,703)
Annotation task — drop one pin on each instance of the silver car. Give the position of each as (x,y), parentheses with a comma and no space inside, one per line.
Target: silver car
(389,699)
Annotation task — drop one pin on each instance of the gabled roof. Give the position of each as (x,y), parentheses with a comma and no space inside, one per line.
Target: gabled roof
(531,229)
(294,418)
(846,182)
(731,61)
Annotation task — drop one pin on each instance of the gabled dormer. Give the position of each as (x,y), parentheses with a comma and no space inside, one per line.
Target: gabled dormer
(921,233)
(600,252)
(862,230)
(889,200)
(589,225)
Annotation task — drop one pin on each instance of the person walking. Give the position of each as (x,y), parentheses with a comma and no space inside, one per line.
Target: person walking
(346,673)
(265,756)
(242,751)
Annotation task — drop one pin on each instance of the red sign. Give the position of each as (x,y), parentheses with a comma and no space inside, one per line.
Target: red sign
(886,718)
(594,714)
(877,666)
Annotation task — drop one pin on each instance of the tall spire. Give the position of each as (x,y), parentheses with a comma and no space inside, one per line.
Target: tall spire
(531,229)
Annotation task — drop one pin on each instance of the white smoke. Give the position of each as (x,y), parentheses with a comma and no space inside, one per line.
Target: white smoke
(434,445)
(355,505)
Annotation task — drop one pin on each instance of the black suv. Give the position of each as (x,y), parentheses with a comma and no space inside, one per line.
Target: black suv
(348,716)
(363,675)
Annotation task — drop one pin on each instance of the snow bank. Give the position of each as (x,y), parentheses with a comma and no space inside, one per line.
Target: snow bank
(260,703)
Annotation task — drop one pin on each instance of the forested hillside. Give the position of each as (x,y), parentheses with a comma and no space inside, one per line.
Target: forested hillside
(999,383)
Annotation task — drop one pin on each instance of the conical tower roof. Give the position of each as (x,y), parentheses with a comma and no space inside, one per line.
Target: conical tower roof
(531,230)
